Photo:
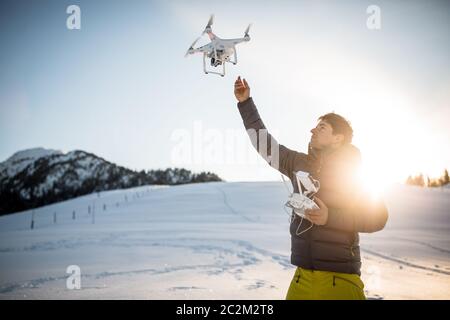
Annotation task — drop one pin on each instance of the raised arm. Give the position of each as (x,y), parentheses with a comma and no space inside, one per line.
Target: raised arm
(278,156)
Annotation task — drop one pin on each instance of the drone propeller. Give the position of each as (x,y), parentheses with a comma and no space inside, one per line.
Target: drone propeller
(247,30)
(208,26)
(192,46)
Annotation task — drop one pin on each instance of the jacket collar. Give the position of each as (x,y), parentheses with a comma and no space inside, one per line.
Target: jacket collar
(321,154)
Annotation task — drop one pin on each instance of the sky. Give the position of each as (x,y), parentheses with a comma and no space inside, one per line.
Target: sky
(120,86)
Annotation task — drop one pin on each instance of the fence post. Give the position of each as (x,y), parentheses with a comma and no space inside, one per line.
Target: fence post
(93,213)
(32,219)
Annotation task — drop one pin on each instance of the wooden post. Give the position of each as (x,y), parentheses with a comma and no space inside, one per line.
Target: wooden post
(93,213)
(32,219)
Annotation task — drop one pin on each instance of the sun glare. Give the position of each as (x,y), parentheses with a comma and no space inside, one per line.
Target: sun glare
(373,181)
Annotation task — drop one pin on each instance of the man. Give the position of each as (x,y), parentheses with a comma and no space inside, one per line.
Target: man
(325,246)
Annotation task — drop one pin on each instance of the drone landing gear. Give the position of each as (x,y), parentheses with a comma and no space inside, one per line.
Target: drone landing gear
(222,74)
(235,56)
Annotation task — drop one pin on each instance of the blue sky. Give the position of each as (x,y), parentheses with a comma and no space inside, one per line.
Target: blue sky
(121,88)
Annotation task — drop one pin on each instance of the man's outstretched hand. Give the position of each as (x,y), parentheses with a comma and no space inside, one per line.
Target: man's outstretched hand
(318,216)
(241,89)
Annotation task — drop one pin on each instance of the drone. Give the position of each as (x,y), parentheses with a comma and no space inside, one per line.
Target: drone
(218,50)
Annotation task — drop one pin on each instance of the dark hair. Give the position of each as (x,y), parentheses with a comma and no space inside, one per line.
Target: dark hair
(339,124)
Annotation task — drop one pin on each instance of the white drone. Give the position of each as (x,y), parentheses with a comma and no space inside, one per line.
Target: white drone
(219,50)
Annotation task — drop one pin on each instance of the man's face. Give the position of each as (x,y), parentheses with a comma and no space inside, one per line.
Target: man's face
(323,137)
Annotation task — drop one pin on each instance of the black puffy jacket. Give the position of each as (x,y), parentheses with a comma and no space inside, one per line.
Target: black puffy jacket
(335,245)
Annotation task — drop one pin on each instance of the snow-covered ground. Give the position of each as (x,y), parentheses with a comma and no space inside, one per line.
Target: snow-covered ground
(209,241)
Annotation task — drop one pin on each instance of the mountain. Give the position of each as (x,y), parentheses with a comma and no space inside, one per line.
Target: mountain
(36,177)
(21,159)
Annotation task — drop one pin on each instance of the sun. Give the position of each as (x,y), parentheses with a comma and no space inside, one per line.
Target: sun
(394,148)
(374,182)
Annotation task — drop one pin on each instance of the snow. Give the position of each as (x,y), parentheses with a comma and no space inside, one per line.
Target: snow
(209,241)
(21,159)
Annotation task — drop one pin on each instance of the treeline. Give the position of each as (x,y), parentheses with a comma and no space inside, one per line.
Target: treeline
(174,176)
(426,181)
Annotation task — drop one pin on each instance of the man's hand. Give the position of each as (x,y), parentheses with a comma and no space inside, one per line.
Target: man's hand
(318,216)
(241,90)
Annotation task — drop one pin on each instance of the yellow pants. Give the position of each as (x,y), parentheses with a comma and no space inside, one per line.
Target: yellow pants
(324,285)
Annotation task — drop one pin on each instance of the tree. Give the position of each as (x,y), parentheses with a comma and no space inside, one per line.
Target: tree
(420,181)
(416,181)
(445,178)
(409,180)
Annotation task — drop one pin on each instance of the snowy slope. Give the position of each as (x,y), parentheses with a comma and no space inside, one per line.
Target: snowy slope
(209,241)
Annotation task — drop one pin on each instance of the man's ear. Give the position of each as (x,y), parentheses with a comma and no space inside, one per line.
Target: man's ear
(338,138)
